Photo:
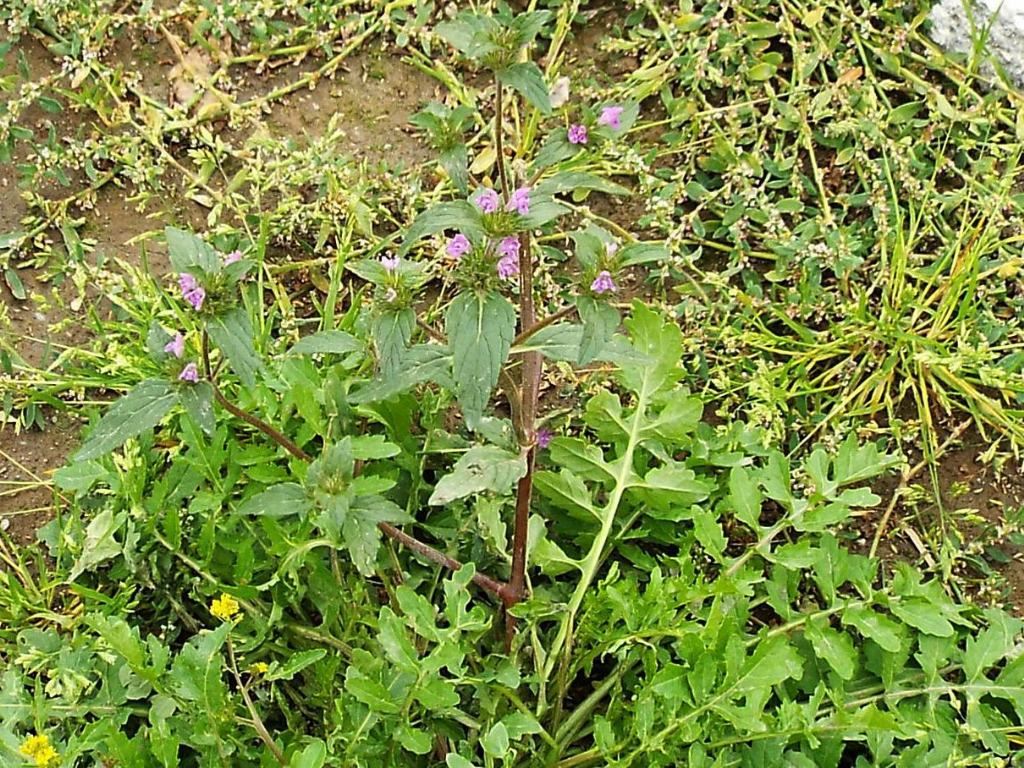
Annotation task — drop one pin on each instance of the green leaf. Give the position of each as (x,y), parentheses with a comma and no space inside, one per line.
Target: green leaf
(232,333)
(642,253)
(188,252)
(313,756)
(80,476)
(326,342)
(662,342)
(99,544)
(565,491)
(369,691)
(833,647)
(495,741)
(423,362)
(296,663)
(989,647)
(527,78)
(745,497)
(391,334)
(582,459)
(197,674)
(480,331)
(437,694)
(197,400)
(883,630)
(570,181)
(459,215)
(141,409)
(14,283)
(921,615)
(455,161)
(362,539)
(481,468)
(391,634)
(600,321)
(559,341)
(282,500)
(414,740)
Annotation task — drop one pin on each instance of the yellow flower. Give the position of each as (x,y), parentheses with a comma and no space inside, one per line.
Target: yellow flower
(224,607)
(38,749)
(259,668)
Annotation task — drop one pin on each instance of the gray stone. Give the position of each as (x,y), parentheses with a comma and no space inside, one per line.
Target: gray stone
(951,28)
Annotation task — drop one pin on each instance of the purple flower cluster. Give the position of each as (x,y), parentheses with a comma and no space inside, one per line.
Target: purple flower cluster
(612,117)
(519,201)
(508,264)
(577,134)
(191,290)
(487,200)
(189,373)
(544,436)
(459,246)
(232,257)
(603,283)
(390,263)
(175,346)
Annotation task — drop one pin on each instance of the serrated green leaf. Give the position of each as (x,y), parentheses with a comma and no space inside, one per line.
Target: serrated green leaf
(197,400)
(231,332)
(527,78)
(480,331)
(391,334)
(140,409)
(188,252)
(600,321)
(326,342)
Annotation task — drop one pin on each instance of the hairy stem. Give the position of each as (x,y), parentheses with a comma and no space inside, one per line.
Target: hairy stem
(529,391)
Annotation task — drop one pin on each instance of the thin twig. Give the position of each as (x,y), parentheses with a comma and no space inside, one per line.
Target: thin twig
(257,721)
(533,329)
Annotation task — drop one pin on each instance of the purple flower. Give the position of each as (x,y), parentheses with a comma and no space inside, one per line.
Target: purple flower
(487,200)
(603,283)
(191,290)
(175,346)
(544,436)
(508,266)
(459,246)
(509,247)
(232,257)
(189,373)
(187,282)
(519,201)
(390,263)
(577,134)
(612,117)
